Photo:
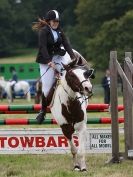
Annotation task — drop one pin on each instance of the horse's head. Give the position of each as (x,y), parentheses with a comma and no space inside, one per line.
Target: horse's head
(78,77)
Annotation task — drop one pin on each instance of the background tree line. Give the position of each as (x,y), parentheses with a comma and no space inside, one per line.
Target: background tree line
(94,27)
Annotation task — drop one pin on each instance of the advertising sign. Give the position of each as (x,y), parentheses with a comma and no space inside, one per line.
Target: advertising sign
(51,140)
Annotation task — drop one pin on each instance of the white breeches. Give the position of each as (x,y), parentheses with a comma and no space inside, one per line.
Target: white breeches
(49,77)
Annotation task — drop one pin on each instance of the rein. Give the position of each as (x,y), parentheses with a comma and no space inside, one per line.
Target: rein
(76,98)
(79,86)
(42,76)
(38,79)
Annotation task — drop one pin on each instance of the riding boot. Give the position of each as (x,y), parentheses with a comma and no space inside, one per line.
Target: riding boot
(41,116)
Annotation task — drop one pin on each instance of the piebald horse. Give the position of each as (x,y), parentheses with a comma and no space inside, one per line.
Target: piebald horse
(69,108)
(20,85)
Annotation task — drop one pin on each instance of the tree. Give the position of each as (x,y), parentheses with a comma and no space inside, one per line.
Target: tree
(6,27)
(114,35)
(16,18)
(65,9)
(98,30)
(22,22)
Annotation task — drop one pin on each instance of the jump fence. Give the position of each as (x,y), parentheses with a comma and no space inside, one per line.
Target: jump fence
(24,121)
(127,77)
(30,109)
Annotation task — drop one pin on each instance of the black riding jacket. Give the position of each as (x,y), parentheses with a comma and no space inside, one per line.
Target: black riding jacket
(48,48)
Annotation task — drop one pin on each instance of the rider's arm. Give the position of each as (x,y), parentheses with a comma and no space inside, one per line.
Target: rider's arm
(67,45)
(43,45)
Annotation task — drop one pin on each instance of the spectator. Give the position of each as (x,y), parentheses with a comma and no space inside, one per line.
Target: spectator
(14,76)
(106,86)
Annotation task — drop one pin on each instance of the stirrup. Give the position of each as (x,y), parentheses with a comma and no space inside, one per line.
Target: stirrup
(40,117)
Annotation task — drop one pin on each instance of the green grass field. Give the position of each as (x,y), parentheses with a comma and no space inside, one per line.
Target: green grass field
(21,56)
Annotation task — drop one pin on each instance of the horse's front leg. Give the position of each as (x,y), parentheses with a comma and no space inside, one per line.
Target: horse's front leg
(9,97)
(68,130)
(28,96)
(75,157)
(81,127)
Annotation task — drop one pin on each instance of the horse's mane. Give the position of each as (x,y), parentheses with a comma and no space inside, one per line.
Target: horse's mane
(81,59)
(78,55)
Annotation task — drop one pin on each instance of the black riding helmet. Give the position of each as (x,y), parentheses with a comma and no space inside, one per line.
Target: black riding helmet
(52,15)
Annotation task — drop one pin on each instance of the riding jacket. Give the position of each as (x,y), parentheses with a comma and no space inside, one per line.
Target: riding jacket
(48,47)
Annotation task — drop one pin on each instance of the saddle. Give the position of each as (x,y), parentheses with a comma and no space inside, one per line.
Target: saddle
(51,95)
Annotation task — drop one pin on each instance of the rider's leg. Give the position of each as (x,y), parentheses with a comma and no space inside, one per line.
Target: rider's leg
(42,113)
(58,60)
(47,82)
(48,79)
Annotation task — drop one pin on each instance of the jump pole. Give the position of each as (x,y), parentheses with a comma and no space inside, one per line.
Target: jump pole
(24,121)
(24,109)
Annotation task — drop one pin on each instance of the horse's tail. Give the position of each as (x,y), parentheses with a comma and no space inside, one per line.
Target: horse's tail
(29,96)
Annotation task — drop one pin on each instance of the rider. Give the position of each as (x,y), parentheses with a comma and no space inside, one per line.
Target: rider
(50,54)
(14,75)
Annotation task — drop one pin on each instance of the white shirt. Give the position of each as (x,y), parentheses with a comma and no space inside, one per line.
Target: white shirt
(55,35)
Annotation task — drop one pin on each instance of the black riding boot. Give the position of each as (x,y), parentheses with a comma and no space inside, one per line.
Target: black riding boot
(41,116)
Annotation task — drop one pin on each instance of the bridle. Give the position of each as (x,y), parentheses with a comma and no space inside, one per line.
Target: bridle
(80,90)
(80,87)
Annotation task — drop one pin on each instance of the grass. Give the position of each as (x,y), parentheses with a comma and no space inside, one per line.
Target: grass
(61,166)
(21,56)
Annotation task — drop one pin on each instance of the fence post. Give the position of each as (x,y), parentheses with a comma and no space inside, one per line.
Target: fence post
(114,104)
(128,114)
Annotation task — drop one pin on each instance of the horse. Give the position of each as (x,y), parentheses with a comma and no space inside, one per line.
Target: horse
(38,93)
(69,108)
(20,85)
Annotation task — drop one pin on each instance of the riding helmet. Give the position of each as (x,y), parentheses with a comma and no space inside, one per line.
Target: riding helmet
(52,15)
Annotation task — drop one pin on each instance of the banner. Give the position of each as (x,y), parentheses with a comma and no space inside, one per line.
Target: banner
(51,140)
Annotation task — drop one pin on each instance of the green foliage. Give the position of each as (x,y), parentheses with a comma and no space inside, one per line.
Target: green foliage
(103,26)
(91,14)
(22,21)
(15,28)
(5,27)
(16,21)
(113,35)
(65,9)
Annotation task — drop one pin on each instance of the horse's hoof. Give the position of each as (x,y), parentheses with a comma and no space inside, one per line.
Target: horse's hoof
(40,117)
(76,168)
(83,170)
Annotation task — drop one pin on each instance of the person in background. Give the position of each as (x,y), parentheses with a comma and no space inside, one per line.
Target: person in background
(106,87)
(14,76)
(53,45)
